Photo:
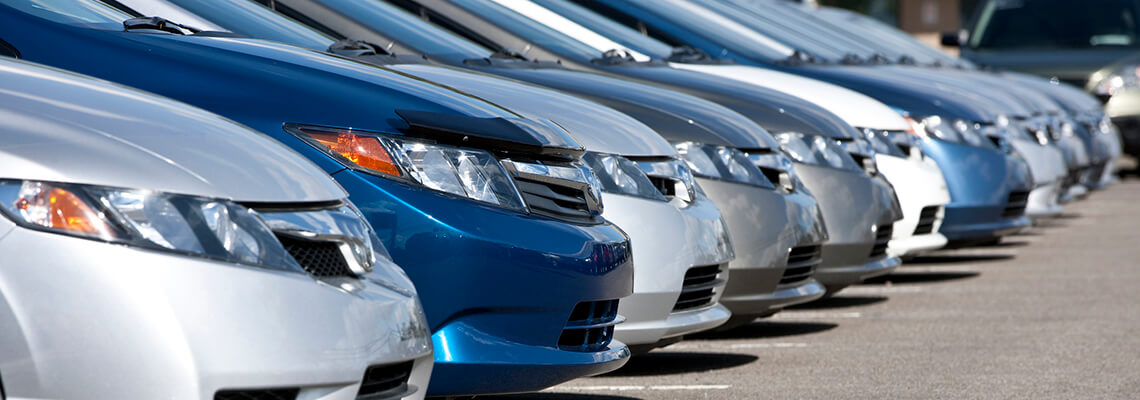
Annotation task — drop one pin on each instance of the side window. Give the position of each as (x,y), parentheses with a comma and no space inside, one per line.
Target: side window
(8,50)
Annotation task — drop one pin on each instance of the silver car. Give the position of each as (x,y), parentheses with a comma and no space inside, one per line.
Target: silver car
(153,250)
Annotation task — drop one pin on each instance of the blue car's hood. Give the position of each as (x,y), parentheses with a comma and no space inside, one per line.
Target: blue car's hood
(261,84)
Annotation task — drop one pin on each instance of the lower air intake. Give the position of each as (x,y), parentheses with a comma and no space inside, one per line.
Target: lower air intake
(926,220)
(1015,207)
(882,240)
(388,381)
(699,287)
(802,261)
(590,327)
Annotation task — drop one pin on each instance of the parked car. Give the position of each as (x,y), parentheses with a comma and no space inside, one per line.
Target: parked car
(105,256)
(776,230)
(988,187)
(1085,44)
(494,217)
(917,181)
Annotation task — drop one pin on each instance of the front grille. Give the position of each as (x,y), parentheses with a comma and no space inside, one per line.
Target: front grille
(555,201)
(802,261)
(590,327)
(699,287)
(385,381)
(318,258)
(926,220)
(258,394)
(1015,207)
(882,240)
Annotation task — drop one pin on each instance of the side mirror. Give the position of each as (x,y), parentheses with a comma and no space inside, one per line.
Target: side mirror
(954,39)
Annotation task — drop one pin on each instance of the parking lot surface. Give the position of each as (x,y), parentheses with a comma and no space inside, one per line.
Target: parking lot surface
(1051,313)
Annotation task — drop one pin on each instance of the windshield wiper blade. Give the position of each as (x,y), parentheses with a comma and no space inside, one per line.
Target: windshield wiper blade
(510,54)
(688,54)
(158,24)
(799,57)
(355,48)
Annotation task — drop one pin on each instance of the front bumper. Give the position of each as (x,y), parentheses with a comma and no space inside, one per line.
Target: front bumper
(85,319)
(920,186)
(498,287)
(671,238)
(1047,166)
(847,254)
(981,181)
(765,225)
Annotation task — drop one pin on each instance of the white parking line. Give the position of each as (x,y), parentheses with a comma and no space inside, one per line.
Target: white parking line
(883,289)
(735,346)
(625,388)
(796,314)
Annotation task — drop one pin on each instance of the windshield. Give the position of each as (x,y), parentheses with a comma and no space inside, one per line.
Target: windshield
(88,13)
(790,29)
(531,30)
(255,20)
(610,29)
(921,52)
(1045,24)
(716,28)
(407,29)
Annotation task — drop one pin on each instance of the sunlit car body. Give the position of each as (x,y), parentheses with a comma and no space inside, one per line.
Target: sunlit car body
(987,187)
(131,320)
(520,291)
(683,247)
(776,232)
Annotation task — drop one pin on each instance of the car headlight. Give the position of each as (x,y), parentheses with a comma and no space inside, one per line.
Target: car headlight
(619,175)
(1108,82)
(861,151)
(721,163)
(778,169)
(954,131)
(671,177)
(816,150)
(908,143)
(471,173)
(204,227)
(880,142)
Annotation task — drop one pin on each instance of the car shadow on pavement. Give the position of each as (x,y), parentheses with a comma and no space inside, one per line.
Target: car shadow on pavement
(664,362)
(1005,244)
(923,277)
(762,329)
(556,396)
(956,258)
(841,301)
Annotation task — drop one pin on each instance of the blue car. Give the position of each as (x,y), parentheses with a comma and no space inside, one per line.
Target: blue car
(519,276)
(988,187)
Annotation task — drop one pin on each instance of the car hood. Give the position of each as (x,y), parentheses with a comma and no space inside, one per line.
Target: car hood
(855,108)
(776,112)
(676,116)
(915,96)
(1015,100)
(62,127)
(1070,65)
(597,127)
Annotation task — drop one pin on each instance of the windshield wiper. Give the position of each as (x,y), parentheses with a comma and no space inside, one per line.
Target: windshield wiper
(158,24)
(615,57)
(355,48)
(688,54)
(510,54)
(852,59)
(799,57)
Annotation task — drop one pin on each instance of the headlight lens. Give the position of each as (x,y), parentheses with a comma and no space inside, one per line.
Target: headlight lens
(619,175)
(881,143)
(210,228)
(816,150)
(956,131)
(672,178)
(470,173)
(779,169)
(908,143)
(722,163)
(1127,76)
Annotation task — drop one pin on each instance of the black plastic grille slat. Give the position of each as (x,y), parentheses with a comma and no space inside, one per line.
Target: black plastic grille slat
(590,326)
(555,201)
(802,261)
(926,220)
(385,379)
(258,394)
(882,240)
(1015,207)
(666,186)
(320,259)
(699,287)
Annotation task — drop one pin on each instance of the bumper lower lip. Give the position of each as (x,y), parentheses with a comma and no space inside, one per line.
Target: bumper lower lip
(784,296)
(915,245)
(650,331)
(498,365)
(979,223)
(204,326)
(838,277)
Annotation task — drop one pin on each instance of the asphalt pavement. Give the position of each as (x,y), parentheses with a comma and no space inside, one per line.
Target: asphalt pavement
(1053,313)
